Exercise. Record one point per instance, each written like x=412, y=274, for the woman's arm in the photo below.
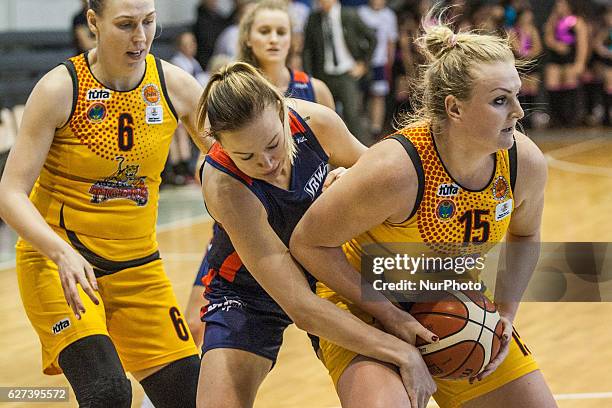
x=268, y=260
x=522, y=240
x=537, y=49
x=25, y=161
x=582, y=46
x=380, y=187
x=185, y=92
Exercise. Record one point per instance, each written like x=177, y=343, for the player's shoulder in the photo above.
x=528, y=152
x=532, y=167
x=57, y=82
x=225, y=195
x=52, y=96
x=317, y=116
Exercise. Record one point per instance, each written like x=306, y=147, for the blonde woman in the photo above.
x=464, y=136
x=90, y=275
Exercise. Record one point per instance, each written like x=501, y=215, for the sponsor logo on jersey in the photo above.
x=500, y=188
x=300, y=139
x=226, y=305
x=60, y=326
x=154, y=115
x=98, y=94
x=502, y=210
x=300, y=85
x=123, y=184
x=448, y=190
x=96, y=112
x=445, y=210
x=316, y=180
x=150, y=94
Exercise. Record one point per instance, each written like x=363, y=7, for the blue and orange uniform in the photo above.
x=98, y=190
x=443, y=220
x=240, y=314
x=300, y=87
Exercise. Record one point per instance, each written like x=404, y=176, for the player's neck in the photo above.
x=278, y=74
x=113, y=75
x=467, y=164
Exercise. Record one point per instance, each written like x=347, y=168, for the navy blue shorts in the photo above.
x=255, y=325
x=201, y=272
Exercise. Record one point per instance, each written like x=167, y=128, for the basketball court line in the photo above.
x=182, y=223
x=553, y=158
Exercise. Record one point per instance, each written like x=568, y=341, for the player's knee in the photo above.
x=174, y=385
x=111, y=392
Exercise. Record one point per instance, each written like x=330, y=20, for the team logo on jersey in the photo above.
x=98, y=94
x=96, y=112
x=60, y=326
x=125, y=184
x=316, y=180
x=445, y=210
x=448, y=190
x=500, y=188
x=150, y=94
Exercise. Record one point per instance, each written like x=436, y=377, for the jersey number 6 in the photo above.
x=126, y=132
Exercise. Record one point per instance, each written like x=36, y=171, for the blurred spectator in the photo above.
x=602, y=48
x=185, y=57
x=8, y=132
x=183, y=153
x=567, y=43
x=383, y=21
x=338, y=47
x=209, y=24
x=83, y=38
x=407, y=60
x=487, y=17
x=298, y=13
x=527, y=45
x=227, y=43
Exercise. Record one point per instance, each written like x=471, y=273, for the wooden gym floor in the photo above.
x=571, y=341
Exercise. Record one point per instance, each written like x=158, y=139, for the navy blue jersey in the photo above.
x=300, y=86
x=227, y=276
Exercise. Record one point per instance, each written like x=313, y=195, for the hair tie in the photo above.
x=453, y=40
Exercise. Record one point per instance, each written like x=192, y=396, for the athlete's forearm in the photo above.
x=17, y=210
x=522, y=254
x=329, y=265
x=322, y=318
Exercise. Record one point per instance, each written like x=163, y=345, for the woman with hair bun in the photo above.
x=464, y=135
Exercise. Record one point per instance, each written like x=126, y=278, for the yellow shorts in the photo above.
x=450, y=394
x=137, y=309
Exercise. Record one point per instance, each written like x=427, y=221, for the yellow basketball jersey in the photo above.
x=448, y=218
x=99, y=185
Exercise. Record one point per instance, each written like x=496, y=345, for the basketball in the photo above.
x=469, y=328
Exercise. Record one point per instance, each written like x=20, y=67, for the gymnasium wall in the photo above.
x=31, y=15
